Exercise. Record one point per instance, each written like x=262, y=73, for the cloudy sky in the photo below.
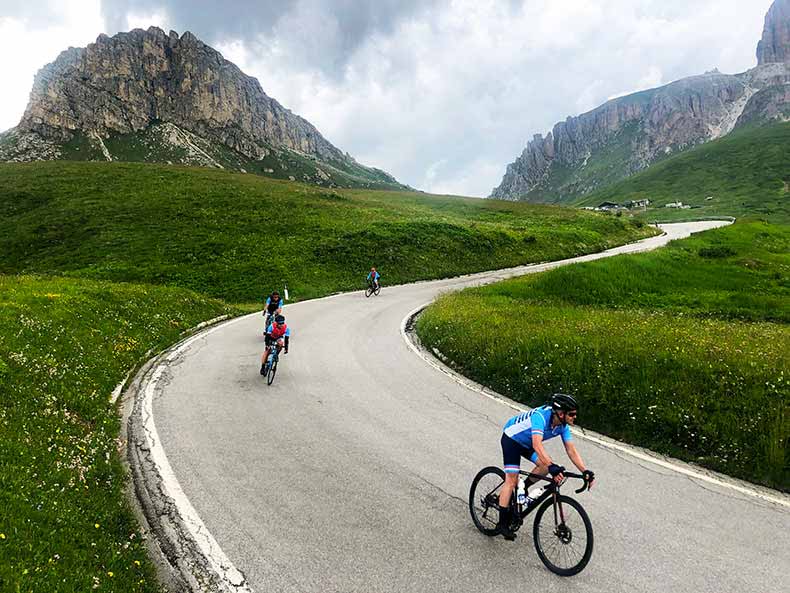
x=440, y=93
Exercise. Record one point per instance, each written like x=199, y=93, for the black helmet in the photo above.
x=561, y=402
x=280, y=319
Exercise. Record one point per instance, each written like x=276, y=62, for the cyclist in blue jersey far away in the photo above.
x=278, y=334
x=373, y=278
x=523, y=436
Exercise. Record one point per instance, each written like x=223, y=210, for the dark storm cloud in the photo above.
x=324, y=32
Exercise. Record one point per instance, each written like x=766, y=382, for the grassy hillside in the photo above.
x=685, y=350
x=234, y=236
x=166, y=143
x=746, y=173
x=64, y=345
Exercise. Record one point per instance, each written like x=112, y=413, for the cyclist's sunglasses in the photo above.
x=571, y=414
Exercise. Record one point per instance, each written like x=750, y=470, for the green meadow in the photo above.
x=685, y=350
x=65, y=344
x=236, y=236
x=745, y=174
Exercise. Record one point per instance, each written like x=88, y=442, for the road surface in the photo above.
x=352, y=471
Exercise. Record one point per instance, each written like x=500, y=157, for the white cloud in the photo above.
x=26, y=47
x=143, y=20
x=446, y=93
x=468, y=85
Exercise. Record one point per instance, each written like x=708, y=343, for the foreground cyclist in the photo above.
x=523, y=436
x=278, y=334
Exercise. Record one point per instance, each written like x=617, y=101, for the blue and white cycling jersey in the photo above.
x=370, y=276
x=523, y=426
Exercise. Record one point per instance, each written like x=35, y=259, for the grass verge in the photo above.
x=685, y=350
x=234, y=236
x=64, y=345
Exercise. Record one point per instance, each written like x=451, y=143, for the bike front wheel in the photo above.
x=563, y=536
x=484, y=499
x=272, y=372
x=368, y=291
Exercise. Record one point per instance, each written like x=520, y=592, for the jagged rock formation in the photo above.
x=628, y=134
x=177, y=96
x=775, y=44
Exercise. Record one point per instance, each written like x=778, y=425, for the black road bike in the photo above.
x=373, y=288
x=562, y=531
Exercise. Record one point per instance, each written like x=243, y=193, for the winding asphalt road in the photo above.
x=351, y=472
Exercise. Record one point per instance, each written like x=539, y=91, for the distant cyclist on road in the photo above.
x=274, y=306
x=523, y=436
x=278, y=334
x=373, y=278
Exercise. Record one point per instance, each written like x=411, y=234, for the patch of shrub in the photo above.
x=716, y=252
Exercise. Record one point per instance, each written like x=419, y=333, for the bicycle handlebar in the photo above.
x=567, y=475
x=585, y=484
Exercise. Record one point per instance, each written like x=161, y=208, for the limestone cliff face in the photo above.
x=126, y=83
x=775, y=44
x=151, y=97
x=628, y=134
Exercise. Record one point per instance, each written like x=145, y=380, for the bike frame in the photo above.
x=274, y=352
x=553, y=489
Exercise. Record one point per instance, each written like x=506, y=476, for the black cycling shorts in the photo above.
x=513, y=451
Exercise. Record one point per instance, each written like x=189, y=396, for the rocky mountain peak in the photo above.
x=629, y=134
x=775, y=44
x=141, y=88
x=124, y=83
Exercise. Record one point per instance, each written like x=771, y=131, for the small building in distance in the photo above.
x=608, y=206
x=633, y=204
x=679, y=205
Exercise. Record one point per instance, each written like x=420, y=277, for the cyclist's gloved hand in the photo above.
x=555, y=470
x=589, y=475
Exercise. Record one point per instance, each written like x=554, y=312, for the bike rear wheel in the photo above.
x=378, y=290
x=484, y=499
x=272, y=372
x=563, y=538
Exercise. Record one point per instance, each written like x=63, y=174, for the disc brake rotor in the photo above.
x=564, y=534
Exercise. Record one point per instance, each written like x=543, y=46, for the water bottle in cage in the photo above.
x=521, y=493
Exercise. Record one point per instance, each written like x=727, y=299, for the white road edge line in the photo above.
x=116, y=393
x=232, y=579
x=586, y=435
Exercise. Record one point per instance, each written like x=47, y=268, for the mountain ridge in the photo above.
x=133, y=82
x=627, y=134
